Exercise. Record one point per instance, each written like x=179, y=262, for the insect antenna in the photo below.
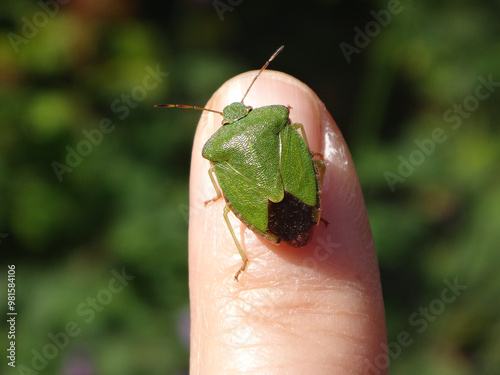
x=261, y=70
x=186, y=106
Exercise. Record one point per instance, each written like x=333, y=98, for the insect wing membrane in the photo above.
x=297, y=169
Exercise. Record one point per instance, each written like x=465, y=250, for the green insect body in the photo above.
x=265, y=171
x=258, y=160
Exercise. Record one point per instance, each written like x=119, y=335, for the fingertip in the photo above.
x=335, y=277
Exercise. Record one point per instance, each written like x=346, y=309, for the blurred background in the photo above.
x=94, y=181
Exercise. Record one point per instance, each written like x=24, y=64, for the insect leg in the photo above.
x=216, y=187
x=318, y=158
x=320, y=164
x=298, y=126
x=240, y=250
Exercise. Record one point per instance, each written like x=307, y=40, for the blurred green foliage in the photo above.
x=123, y=203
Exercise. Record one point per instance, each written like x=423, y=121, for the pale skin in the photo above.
x=317, y=309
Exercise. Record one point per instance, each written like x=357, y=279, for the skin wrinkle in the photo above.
x=304, y=285
x=320, y=335
x=307, y=304
x=280, y=314
x=360, y=217
x=262, y=351
x=265, y=291
x=304, y=363
x=273, y=315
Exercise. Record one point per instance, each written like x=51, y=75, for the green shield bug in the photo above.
x=268, y=176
